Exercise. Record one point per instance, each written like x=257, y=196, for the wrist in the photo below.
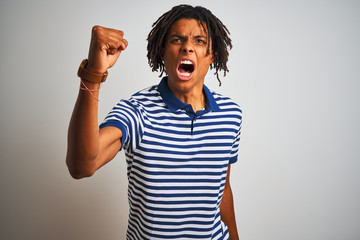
x=89, y=76
x=91, y=88
x=90, y=85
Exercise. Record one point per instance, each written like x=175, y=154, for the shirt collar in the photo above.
x=175, y=103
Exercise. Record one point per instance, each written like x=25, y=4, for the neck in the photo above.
x=197, y=102
x=195, y=97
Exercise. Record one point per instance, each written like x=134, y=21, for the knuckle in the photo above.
x=97, y=31
x=98, y=34
x=95, y=28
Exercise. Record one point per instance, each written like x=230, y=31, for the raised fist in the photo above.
x=105, y=48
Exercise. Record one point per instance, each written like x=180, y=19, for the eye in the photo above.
x=177, y=40
x=200, y=41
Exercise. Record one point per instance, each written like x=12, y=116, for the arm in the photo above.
x=88, y=147
x=227, y=209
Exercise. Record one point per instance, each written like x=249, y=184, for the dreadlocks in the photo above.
x=215, y=29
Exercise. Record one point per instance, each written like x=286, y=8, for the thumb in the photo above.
x=124, y=45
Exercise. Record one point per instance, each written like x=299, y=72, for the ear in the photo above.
x=211, y=52
x=212, y=57
x=162, y=53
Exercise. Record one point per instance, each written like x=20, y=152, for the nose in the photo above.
x=187, y=47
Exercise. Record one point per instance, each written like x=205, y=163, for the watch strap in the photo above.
x=86, y=75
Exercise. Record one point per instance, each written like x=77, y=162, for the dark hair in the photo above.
x=215, y=29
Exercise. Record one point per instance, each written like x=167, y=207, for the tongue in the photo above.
x=182, y=70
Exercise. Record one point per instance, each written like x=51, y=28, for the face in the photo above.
x=185, y=57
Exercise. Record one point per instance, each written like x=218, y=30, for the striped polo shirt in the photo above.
x=177, y=162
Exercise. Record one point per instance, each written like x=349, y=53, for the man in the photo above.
x=179, y=137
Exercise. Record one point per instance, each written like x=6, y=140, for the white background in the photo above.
x=294, y=70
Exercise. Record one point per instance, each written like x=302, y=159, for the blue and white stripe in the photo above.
x=177, y=162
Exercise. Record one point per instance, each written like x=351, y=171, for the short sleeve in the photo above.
x=127, y=118
x=235, y=146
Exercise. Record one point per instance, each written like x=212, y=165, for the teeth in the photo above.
x=186, y=62
x=185, y=74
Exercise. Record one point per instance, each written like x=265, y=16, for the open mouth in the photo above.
x=185, y=69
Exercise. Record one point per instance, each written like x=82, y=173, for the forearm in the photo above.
x=227, y=213
x=227, y=210
x=83, y=134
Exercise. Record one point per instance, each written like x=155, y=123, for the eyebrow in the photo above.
x=176, y=36
x=201, y=36
x=182, y=37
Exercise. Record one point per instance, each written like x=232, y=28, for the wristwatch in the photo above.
x=89, y=76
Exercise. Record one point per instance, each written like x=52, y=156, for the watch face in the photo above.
x=84, y=63
x=104, y=77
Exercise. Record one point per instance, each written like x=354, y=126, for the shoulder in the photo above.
x=149, y=92
x=146, y=98
x=226, y=103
